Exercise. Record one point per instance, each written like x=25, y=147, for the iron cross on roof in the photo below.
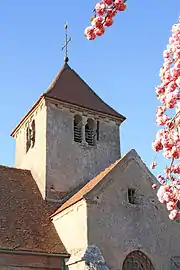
x=67, y=40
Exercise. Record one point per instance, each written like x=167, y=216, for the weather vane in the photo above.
x=67, y=40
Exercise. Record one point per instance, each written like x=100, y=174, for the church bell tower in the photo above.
x=68, y=137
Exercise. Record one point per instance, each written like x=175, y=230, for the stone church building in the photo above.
x=72, y=201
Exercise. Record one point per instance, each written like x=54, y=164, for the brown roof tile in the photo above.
x=69, y=87
x=24, y=215
x=85, y=189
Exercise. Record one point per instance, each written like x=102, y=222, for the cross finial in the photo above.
x=67, y=40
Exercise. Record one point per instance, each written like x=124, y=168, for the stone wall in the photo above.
x=71, y=226
x=118, y=227
x=71, y=164
x=35, y=158
x=58, y=164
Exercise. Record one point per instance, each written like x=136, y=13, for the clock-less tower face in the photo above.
x=75, y=136
x=137, y=260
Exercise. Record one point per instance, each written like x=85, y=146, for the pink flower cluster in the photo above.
x=105, y=10
x=168, y=138
x=169, y=195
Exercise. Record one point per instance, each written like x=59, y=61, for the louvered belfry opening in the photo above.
x=78, y=128
x=90, y=133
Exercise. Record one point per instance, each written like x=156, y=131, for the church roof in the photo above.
x=24, y=215
x=99, y=179
x=69, y=87
x=85, y=189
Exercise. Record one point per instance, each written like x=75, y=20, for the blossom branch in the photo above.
x=168, y=138
x=105, y=10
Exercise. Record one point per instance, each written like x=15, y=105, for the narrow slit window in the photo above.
x=28, y=139
x=78, y=128
x=33, y=133
x=131, y=195
x=97, y=131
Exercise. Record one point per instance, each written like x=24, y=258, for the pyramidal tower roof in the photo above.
x=68, y=87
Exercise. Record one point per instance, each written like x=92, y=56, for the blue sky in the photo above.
x=122, y=66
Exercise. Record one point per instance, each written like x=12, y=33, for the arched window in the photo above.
x=30, y=136
x=137, y=260
x=78, y=128
x=90, y=133
x=33, y=133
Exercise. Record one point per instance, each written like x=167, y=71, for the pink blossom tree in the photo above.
x=104, y=13
x=168, y=117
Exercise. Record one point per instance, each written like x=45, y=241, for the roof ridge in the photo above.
x=73, y=89
x=100, y=175
x=66, y=66
x=94, y=92
x=82, y=192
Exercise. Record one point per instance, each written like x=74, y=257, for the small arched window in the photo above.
x=78, y=128
x=90, y=132
x=33, y=133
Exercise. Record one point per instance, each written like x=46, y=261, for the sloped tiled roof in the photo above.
x=85, y=189
x=24, y=216
x=69, y=87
